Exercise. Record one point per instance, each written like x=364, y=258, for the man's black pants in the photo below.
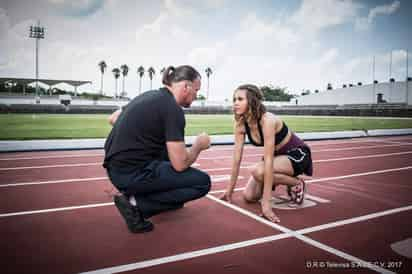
x=158, y=187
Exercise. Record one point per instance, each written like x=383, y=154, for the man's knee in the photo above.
x=203, y=182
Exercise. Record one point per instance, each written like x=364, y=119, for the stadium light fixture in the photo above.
x=37, y=33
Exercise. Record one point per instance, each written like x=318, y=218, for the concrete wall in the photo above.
x=390, y=110
x=395, y=92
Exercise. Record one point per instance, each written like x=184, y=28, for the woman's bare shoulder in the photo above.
x=239, y=127
x=270, y=118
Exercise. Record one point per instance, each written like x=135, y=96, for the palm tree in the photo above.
x=140, y=72
x=125, y=71
x=208, y=73
x=116, y=74
x=151, y=72
x=162, y=71
x=103, y=67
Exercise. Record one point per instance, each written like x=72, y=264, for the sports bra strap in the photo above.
x=279, y=136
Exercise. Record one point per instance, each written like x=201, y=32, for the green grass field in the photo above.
x=60, y=126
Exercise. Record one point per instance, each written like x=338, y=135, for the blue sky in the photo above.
x=294, y=44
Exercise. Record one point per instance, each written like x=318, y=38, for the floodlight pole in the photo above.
x=373, y=80
x=407, y=77
x=37, y=32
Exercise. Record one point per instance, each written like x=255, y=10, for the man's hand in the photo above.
x=202, y=141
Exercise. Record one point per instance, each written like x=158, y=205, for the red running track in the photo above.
x=57, y=216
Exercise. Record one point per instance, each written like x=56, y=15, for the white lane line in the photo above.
x=320, y=150
x=223, y=190
x=303, y=238
x=228, y=157
x=56, y=181
x=309, y=181
x=94, y=155
x=339, y=253
x=358, y=174
x=354, y=220
x=213, y=149
x=257, y=241
x=53, y=210
x=52, y=157
x=218, y=169
x=316, y=199
x=359, y=147
x=50, y=166
x=363, y=157
x=211, y=158
x=187, y=255
x=313, y=151
x=222, y=178
x=393, y=144
x=222, y=168
x=287, y=233
x=237, y=189
x=331, y=142
x=215, y=178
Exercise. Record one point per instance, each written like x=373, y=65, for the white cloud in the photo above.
x=315, y=15
x=261, y=48
x=152, y=28
x=14, y=46
x=177, y=10
x=385, y=10
x=360, y=69
x=329, y=57
x=257, y=37
x=77, y=8
x=190, y=7
x=208, y=56
x=4, y=24
x=364, y=23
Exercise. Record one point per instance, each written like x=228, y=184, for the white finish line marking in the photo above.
x=302, y=237
x=287, y=233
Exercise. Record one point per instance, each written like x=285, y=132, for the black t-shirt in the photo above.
x=144, y=126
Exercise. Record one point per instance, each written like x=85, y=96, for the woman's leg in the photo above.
x=282, y=175
x=253, y=190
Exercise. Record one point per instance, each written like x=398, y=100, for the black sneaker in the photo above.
x=134, y=219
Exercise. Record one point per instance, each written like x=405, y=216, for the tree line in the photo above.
x=141, y=72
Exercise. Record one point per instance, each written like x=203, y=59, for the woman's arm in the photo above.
x=237, y=158
x=269, y=125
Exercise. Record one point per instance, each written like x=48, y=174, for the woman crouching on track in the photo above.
x=285, y=155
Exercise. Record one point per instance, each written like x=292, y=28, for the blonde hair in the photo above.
x=256, y=108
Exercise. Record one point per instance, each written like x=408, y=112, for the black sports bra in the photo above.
x=283, y=132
